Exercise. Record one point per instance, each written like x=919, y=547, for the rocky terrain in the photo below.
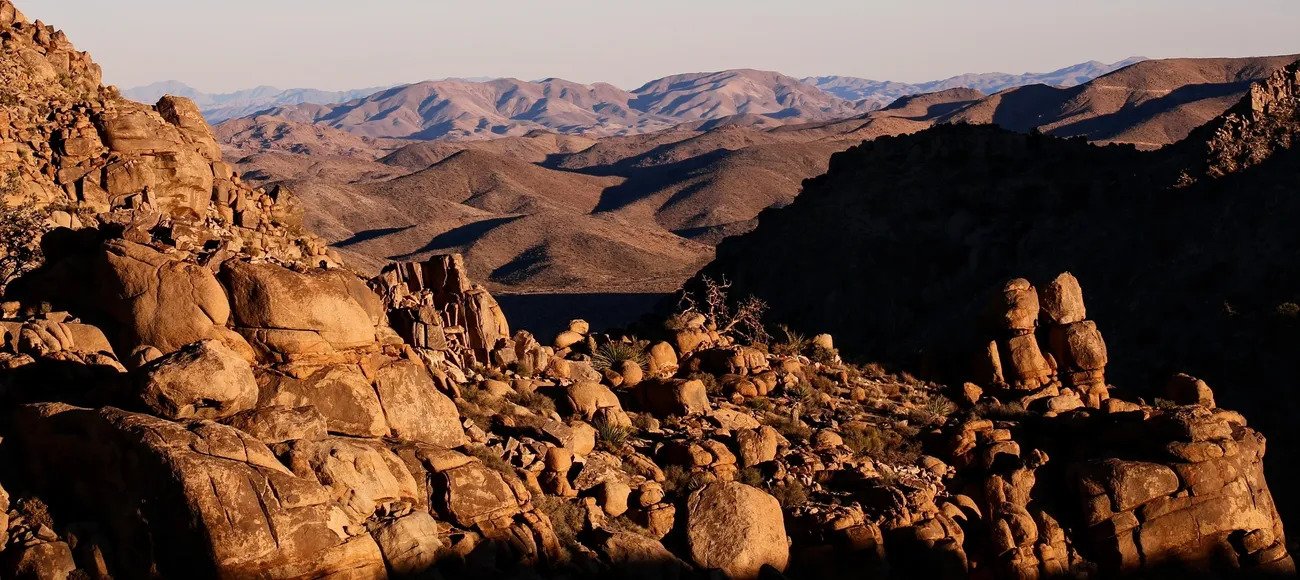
x=665, y=198
x=1189, y=247
x=192, y=386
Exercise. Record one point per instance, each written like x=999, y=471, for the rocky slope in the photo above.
x=182, y=397
x=1150, y=104
x=1190, y=245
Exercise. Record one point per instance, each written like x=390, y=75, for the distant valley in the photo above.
x=554, y=211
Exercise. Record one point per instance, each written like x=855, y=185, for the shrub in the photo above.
x=743, y=318
x=35, y=512
x=997, y=410
x=491, y=459
x=523, y=368
x=760, y=403
x=610, y=435
x=873, y=370
x=566, y=517
x=790, y=495
x=611, y=354
x=791, y=342
x=711, y=384
x=680, y=481
x=1288, y=310
x=790, y=428
x=863, y=439
x=823, y=355
x=21, y=228
x=822, y=383
x=936, y=408
x=751, y=476
x=538, y=402
x=645, y=422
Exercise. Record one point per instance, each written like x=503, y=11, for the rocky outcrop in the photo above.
x=180, y=497
x=928, y=226
x=436, y=306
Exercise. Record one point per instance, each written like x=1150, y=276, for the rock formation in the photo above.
x=1186, y=250
x=189, y=387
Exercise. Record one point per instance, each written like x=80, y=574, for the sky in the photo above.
x=227, y=45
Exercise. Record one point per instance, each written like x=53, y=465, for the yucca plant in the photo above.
x=792, y=343
x=611, y=435
x=611, y=354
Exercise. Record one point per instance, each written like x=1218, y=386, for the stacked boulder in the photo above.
x=1075, y=359
x=436, y=307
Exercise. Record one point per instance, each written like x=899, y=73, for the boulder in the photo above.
x=341, y=393
x=588, y=398
x=204, y=380
x=1019, y=305
x=39, y=561
x=1185, y=389
x=673, y=397
x=1062, y=301
x=182, y=497
x=409, y=544
x=662, y=360
x=473, y=493
x=364, y=477
x=279, y=424
x=637, y=557
x=285, y=313
x=737, y=529
x=148, y=297
x=414, y=408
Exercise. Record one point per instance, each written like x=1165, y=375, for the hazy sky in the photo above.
x=336, y=44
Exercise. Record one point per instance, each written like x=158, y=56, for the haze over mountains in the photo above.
x=218, y=107
x=663, y=102
x=881, y=93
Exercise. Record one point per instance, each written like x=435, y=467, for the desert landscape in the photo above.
x=734, y=324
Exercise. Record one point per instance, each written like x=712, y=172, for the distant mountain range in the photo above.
x=485, y=108
x=218, y=107
x=867, y=92
x=549, y=212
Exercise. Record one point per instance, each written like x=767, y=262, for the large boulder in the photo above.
x=737, y=529
x=341, y=393
x=284, y=313
x=139, y=295
x=673, y=397
x=415, y=409
x=363, y=476
x=205, y=380
x=410, y=544
x=175, y=498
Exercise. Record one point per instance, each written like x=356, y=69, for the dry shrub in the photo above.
x=744, y=319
